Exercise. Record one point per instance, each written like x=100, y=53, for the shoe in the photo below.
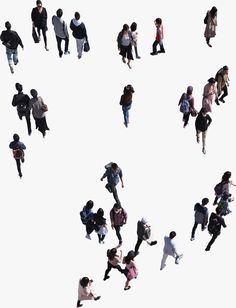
x=126, y=124
x=217, y=103
x=127, y=288
x=60, y=54
x=88, y=236
x=119, y=245
x=192, y=239
x=138, y=57
x=20, y=175
x=79, y=57
x=22, y=160
x=29, y=133
x=222, y=100
x=105, y=278
x=66, y=52
x=16, y=62
x=123, y=59
x=162, y=267
x=46, y=48
x=185, y=125
x=177, y=259
x=203, y=150
x=207, y=249
x=209, y=44
x=11, y=69
x=198, y=140
x=97, y=298
x=80, y=305
x=153, y=243
x=129, y=65
x=154, y=53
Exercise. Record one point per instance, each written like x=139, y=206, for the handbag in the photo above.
x=86, y=46
x=34, y=35
x=44, y=108
x=193, y=112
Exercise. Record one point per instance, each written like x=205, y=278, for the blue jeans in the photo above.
x=12, y=56
x=126, y=113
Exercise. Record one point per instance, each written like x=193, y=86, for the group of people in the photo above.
x=215, y=90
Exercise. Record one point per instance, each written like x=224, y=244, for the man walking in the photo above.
x=222, y=80
x=201, y=216
x=118, y=218
x=18, y=152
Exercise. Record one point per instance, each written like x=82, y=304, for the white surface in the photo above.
x=43, y=248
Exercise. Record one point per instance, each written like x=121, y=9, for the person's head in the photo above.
x=117, y=207
x=213, y=11
x=89, y=204
x=226, y=176
x=100, y=212
x=8, y=25
x=16, y=137
x=128, y=89
x=34, y=93
x=125, y=28
x=225, y=69
x=203, y=111
x=77, y=15
x=205, y=201
x=144, y=221
x=84, y=282
x=211, y=80
x=189, y=90
x=59, y=13
x=158, y=21
x=130, y=257
x=133, y=26
x=111, y=253
x=39, y=3
x=114, y=166
x=19, y=87
x=172, y=234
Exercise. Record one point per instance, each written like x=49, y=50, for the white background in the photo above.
x=43, y=247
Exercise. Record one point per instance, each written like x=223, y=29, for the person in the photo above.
x=202, y=123
x=186, y=104
x=159, y=38
x=200, y=217
x=100, y=225
x=18, y=152
x=223, y=205
x=87, y=218
x=113, y=173
x=39, y=18
x=114, y=258
x=118, y=217
x=38, y=110
x=223, y=186
x=85, y=291
x=170, y=250
x=79, y=32
x=144, y=234
x=211, y=23
x=209, y=93
x=126, y=102
x=134, y=34
x=61, y=32
x=21, y=102
x=125, y=41
x=222, y=79
x=131, y=270
x=214, y=226
x=11, y=40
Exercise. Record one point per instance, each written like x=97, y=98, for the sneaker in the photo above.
x=66, y=52
x=203, y=150
x=46, y=48
x=207, y=249
x=209, y=44
x=97, y=298
x=162, y=51
x=106, y=277
x=162, y=267
x=16, y=62
x=22, y=160
x=79, y=57
x=127, y=288
x=123, y=59
x=138, y=57
x=153, y=243
x=222, y=100
x=80, y=305
x=88, y=236
x=177, y=259
x=11, y=69
x=154, y=53
x=60, y=54
x=192, y=239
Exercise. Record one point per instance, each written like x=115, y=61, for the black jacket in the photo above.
x=215, y=224
x=39, y=19
x=143, y=231
x=21, y=101
x=79, y=31
x=202, y=122
x=11, y=39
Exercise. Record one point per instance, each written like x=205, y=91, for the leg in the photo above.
x=115, y=194
x=80, y=45
x=204, y=142
x=225, y=93
x=154, y=48
x=18, y=167
x=89, y=227
x=197, y=135
x=28, y=124
x=216, y=199
x=109, y=267
x=79, y=304
x=193, y=230
x=139, y=242
x=162, y=49
x=136, y=52
x=186, y=118
x=59, y=45
x=208, y=41
x=119, y=269
x=211, y=242
x=163, y=261
x=9, y=53
x=117, y=228
x=39, y=33
x=15, y=56
x=126, y=115
x=66, y=44
x=45, y=38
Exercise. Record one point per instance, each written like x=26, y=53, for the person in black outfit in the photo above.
x=214, y=227
x=126, y=102
x=11, y=40
x=200, y=217
x=39, y=18
x=79, y=32
x=100, y=225
x=21, y=102
x=202, y=123
x=18, y=152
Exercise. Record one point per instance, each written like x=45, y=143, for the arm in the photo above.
x=112, y=218
x=206, y=218
x=14, y=101
x=19, y=41
x=125, y=216
x=121, y=178
x=104, y=175
x=209, y=120
x=22, y=146
x=181, y=98
x=119, y=37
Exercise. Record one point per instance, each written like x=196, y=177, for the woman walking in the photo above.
x=85, y=291
x=125, y=42
x=18, y=152
x=131, y=270
x=186, y=104
x=126, y=102
x=114, y=258
x=100, y=225
x=209, y=94
x=202, y=123
x=211, y=23
x=224, y=186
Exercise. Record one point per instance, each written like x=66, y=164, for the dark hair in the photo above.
x=59, y=13
x=203, y=110
x=172, y=234
x=8, y=25
x=133, y=26
x=211, y=80
x=111, y=253
x=213, y=11
x=38, y=2
x=125, y=27
x=114, y=166
x=205, y=201
x=19, y=87
x=16, y=137
x=128, y=89
x=225, y=68
x=226, y=176
x=100, y=212
x=89, y=204
x=84, y=282
x=77, y=15
x=34, y=93
x=158, y=21
x=117, y=206
x=130, y=257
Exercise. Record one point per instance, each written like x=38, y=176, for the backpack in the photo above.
x=184, y=106
x=84, y=217
x=205, y=19
x=218, y=188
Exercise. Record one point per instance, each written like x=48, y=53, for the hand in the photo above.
x=122, y=185
x=101, y=179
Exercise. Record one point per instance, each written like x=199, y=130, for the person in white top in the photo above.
x=170, y=250
x=134, y=34
x=85, y=291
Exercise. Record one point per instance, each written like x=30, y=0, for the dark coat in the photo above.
x=39, y=19
x=21, y=101
x=11, y=39
x=202, y=122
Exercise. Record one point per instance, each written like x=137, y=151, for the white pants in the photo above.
x=80, y=46
x=164, y=258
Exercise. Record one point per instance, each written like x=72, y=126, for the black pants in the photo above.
x=59, y=40
x=225, y=92
x=28, y=122
x=18, y=165
x=139, y=242
x=186, y=118
x=154, y=46
x=109, y=267
x=44, y=34
x=195, y=227
x=117, y=228
x=101, y=237
x=112, y=188
x=41, y=124
x=214, y=236
x=89, y=227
